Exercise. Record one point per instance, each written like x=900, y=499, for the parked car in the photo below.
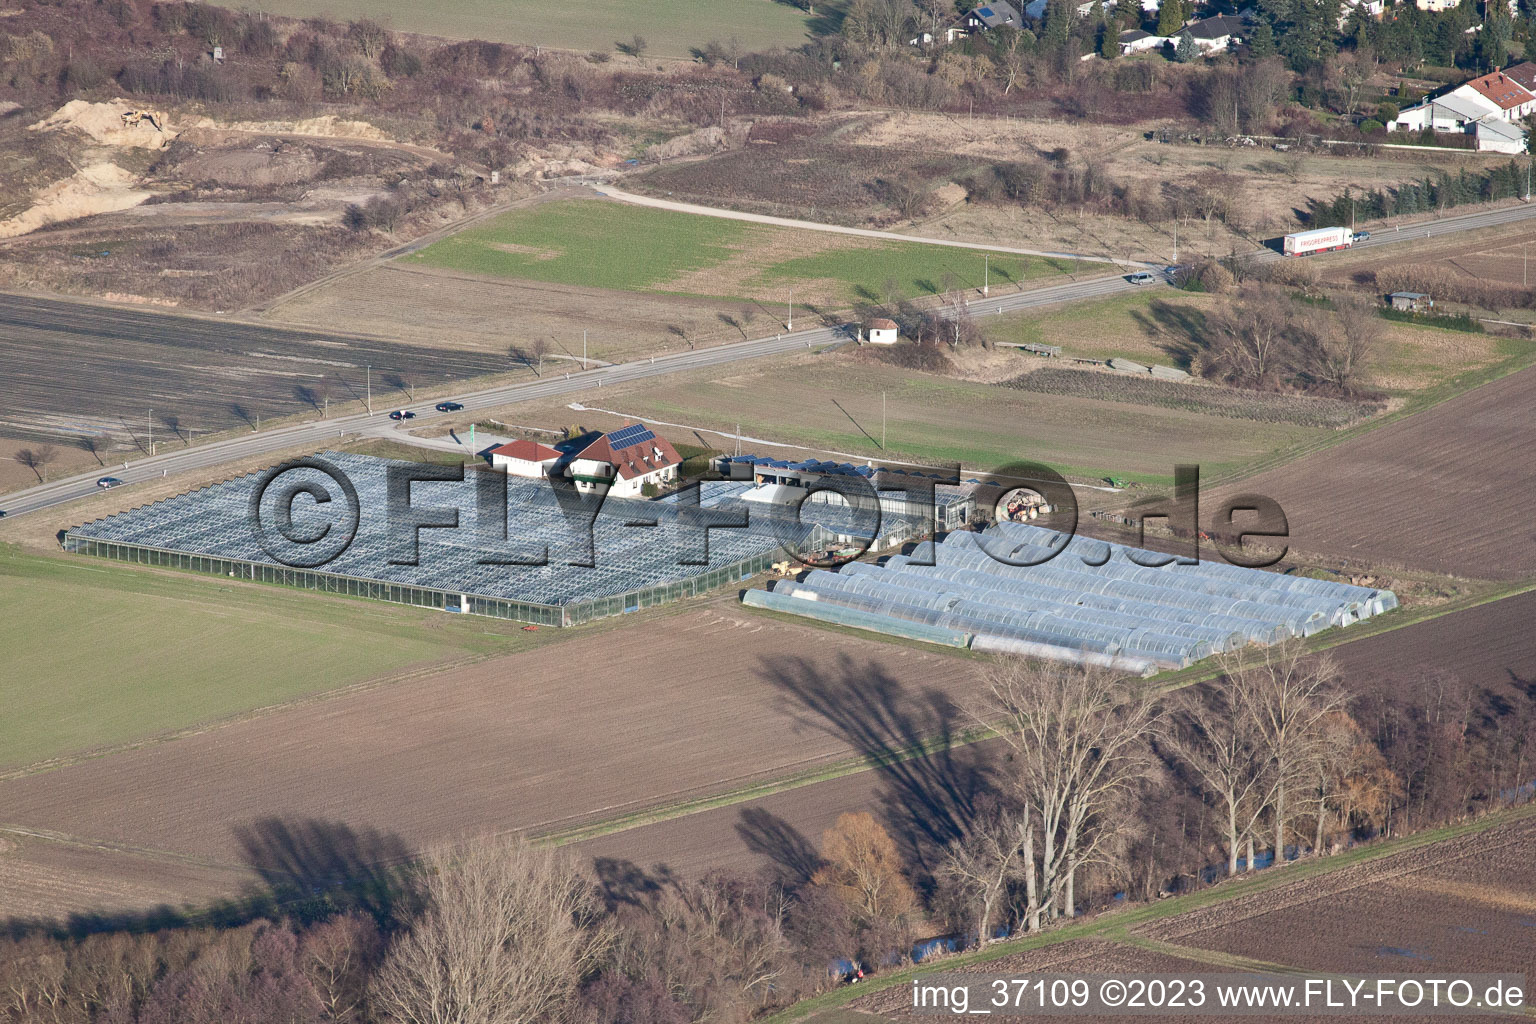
x=449, y=406
x=106, y=483
x=402, y=414
x=1142, y=277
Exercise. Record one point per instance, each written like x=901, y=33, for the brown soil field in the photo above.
x=536, y=742
x=1461, y=905
x=48, y=878
x=1486, y=645
x=454, y=310
x=1496, y=255
x=1489, y=645
x=1448, y=489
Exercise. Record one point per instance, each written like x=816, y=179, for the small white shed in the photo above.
x=882, y=331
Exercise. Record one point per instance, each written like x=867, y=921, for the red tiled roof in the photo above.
x=882, y=324
x=1502, y=89
x=633, y=460
x=528, y=451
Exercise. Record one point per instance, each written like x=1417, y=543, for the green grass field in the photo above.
x=593, y=244
x=671, y=27
x=918, y=270
x=833, y=402
x=97, y=655
x=635, y=248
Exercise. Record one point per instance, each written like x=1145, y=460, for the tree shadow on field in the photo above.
x=625, y=882
x=795, y=858
x=309, y=870
x=1180, y=331
x=924, y=801
x=329, y=863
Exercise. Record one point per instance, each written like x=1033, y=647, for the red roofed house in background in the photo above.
x=623, y=461
x=525, y=458
x=1514, y=100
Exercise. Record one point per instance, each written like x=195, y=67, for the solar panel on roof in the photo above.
x=635, y=433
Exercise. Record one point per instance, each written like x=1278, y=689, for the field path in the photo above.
x=811, y=225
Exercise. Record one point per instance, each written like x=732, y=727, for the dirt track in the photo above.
x=1450, y=489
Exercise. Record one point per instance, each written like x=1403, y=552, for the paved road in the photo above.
x=1430, y=229
x=325, y=432
x=553, y=384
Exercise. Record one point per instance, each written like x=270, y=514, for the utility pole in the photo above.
x=986, y=273
x=1175, y=241
x=370, y=389
x=1525, y=269
x=882, y=421
x=583, y=350
x=789, y=322
x=738, y=438
x=151, y=431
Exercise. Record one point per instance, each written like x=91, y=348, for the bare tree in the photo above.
x=980, y=866
x=37, y=459
x=1340, y=350
x=1008, y=57
x=508, y=932
x=337, y=957
x=1218, y=738
x=1290, y=695
x=538, y=349
x=1077, y=734
x=1250, y=339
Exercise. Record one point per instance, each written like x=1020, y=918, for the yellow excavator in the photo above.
x=133, y=118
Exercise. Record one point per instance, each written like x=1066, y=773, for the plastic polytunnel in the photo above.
x=1081, y=600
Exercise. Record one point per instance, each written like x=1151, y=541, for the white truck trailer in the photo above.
x=1305, y=243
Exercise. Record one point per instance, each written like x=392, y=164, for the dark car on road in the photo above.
x=449, y=406
x=402, y=414
x=106, y=483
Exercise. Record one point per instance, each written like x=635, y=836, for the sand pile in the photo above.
x=103, y=122
x=97, y=188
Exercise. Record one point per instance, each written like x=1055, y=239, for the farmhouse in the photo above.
x=1512, y=100
x=1487, y=107
x=883, y=331
x=525, y=458
x=1496, y=136
x=1524, y=75
x=1467, y=114
x=624, y=461
x=1137, y=40
x=983, y=17
x=1213, y=35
